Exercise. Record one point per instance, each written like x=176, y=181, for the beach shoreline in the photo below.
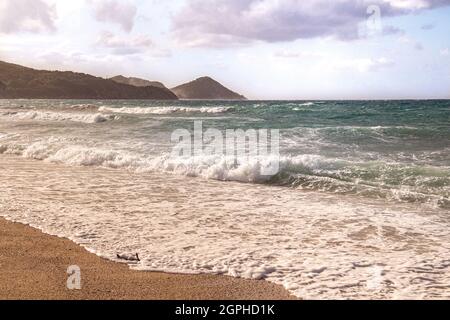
x=34, y=266
x=214, y=231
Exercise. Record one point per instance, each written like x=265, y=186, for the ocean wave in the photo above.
x=391, y=181
x=166, y=110
x=83, y=107
x=58, y=116
x=307, y=104
x=208, y=166
x=301, y=106
x=362, y=136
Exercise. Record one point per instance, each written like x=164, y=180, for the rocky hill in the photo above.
x=206, y=88
x=26, y=83
x=137, y=82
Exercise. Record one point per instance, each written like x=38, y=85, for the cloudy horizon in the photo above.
x=263, y=49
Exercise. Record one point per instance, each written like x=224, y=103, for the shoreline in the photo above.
x=34, y=266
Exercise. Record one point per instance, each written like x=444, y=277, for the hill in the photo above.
x=206, y=88
x=137, y=82
x=18, y=82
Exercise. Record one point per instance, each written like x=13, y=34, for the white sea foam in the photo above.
x=82, y=156
x=308, y=172
x=58, y=116
x=315, y=245
x=83, y=107
x=206, y=166
x=166, y=110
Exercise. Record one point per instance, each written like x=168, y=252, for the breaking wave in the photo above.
x=58, y=116
x=83, y=107
x=306, y=172
x=166, y=110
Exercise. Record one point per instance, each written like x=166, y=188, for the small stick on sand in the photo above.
x=128, y=257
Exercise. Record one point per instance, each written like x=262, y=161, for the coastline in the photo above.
x=34, y=266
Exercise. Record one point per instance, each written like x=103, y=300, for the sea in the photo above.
x=358, y=208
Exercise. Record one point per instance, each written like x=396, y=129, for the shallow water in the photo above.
x=316, y=245
x=358, y=210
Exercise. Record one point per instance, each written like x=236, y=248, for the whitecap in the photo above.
x=166, y=110
x=59, y=116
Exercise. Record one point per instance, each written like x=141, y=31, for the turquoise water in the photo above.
x=394, y=150
x=358, y=209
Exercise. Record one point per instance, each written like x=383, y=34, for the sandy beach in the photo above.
x=34, y=265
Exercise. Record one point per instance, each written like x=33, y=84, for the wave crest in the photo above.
x=166, y=110
x=307, y=172
x=59, y=116
x=83, y=107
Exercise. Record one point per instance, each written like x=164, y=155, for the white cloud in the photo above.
x=410, y=4
x=124, y=45
x=362, y=64
x=27, y=16
x=445, y=52
x=61, y=59
x=212, y=40
x=208, y=23
x=293, y=54
x=412, y=42
x=121, y=12
x=428, y=26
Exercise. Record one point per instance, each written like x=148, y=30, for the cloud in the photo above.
x=213, y=40
x=61, y=59
x=391, y=30
x=363, y=64
x=428, y=26
x=124, y=45
x=327, y=61
x=204, y=23
x=445, y=52
x=26, y=16
x=292, y=54
x=411, y=4
x=409, y=41
x=418, y=46
x=121, y=12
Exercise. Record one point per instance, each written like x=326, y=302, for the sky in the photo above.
x=264, y=49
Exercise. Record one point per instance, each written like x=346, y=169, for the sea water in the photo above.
x=358, y=209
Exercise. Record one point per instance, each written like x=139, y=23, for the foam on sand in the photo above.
x=315, y=245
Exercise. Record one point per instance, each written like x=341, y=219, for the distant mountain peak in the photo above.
x=22, y=82
x=206, y=78
x=206, y=88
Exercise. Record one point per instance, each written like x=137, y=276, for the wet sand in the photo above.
x=33, y=265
